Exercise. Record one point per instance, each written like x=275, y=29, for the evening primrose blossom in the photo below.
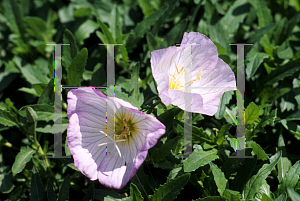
x=110, y=149
x=210, y=75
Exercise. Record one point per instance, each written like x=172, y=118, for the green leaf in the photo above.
x=108, y=37
x=84, y=30
x=123, y=49
x=221, y=135
x=135, y=81
x=232, y=19
x=76, y=69
x=292, y=23
x=171, y=189
x=38, y=29
x=44, y=112
x=83, y=12
x=290, y=179
x=251, y=113
x=226, y=97
x=37, y=188
x=219, y=178
x=282, y=72
x=258, y=151
x=164, y=150
x=293, y=195
x=89, y=195
x=64, y=189
x=284, y=163
x=253, y=185
x=282, y=197
x=199, y=158
x=50, y=192
x=135, y=194
x=260, y=33
x=51, y=66
x=7, y=118
x=255, y=59
x=175, y=34
x=6, y=185
x=221, y=50
x=69, y=51
x=23, y=157
x=47, y=97
x=146, y=7
x=232, y=195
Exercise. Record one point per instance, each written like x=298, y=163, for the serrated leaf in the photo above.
x=76, y=69
x=171, y=189
x=37, y=188
x=253, y=185
x=64, y=189
x=135, y=194
x=7, y=119
x=23, y=157
x=219, y=178
x=251, y=113
x=199, y=158
x=50, y=192
x=164, y=150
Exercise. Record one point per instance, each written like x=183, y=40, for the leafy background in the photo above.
x=272, y=97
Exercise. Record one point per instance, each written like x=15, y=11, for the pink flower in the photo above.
x=210, y=75
x=107, y=153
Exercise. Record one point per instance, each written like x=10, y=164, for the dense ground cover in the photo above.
x=271, y=99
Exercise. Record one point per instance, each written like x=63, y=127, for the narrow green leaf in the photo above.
x=199, y=158
x=151, y=42
x=292, y=23
x=293, y=195
x=76, y=69
x=51, y=66
x=7, y=118
x=64, y=189
x=253, y=185
x=290, y=179
x=164, y=150
x=123, y=49
x=50, y=192
x=109, y=39
x=231, y=21
x=175, y=34
x=47, y=97
x=69, y=51
x=146, y=7
x=219, y=178
x=284, y=163
x=226, y=97
x=135, y=86
x=232, y=195
x=258, y=151
x=255, y=59
x=282, y=197
x=83, y=12
x=221, y=50
x=44, y=112
x=85, y=30
x=6, y=185
x=23, y=157
x=37, y=188
x=221, y=135
x=135, y=194
x=171, y=189
x=260, y=33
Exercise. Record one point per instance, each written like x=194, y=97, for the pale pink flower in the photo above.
x=210, y=75
x=107, y=153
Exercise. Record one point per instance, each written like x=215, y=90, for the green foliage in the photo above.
x=271, y=97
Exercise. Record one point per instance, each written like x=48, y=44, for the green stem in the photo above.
x=153, y=106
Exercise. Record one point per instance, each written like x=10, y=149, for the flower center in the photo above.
x=124, y=127
x=176, y=81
